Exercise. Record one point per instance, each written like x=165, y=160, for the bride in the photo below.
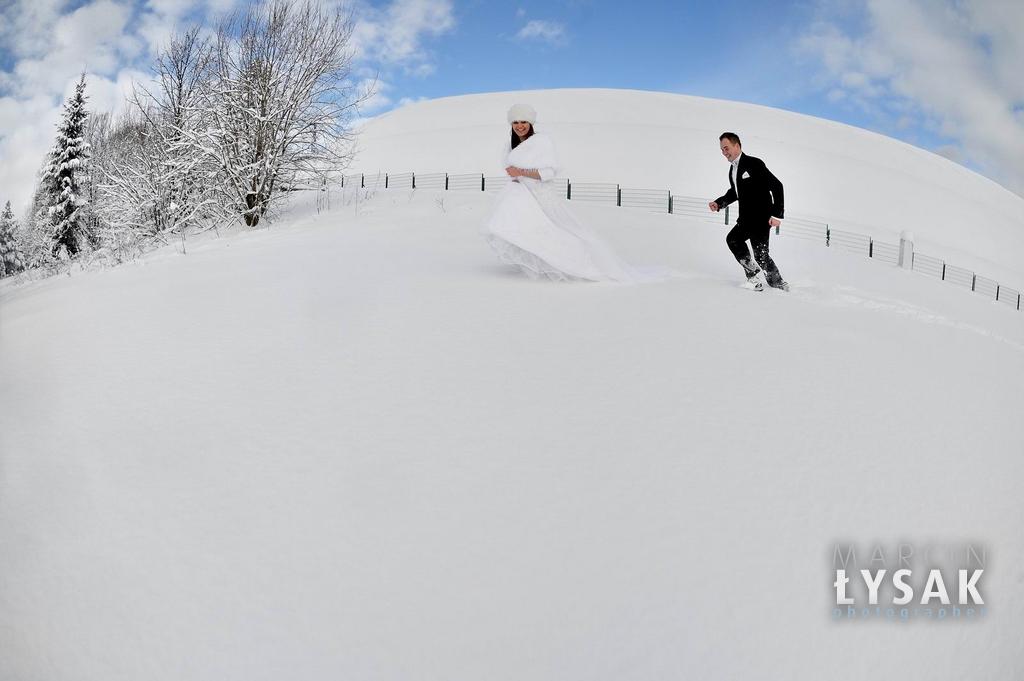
x=530, y=227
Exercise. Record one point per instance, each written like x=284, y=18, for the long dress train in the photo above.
x=530, y=227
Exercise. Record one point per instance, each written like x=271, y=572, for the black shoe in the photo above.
x=780, y=285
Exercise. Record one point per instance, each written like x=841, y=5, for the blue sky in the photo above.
x=940, y=74
x=779, y=54
x=674, y=46
x=727, y=49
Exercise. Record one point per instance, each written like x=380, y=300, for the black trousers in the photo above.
x=758, y=237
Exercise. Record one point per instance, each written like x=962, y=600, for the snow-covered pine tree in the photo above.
x=66, y=164
x=10, y=256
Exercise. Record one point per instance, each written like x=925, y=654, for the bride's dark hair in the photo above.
x=515, y=138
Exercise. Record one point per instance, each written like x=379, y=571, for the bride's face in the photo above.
x=521, y=128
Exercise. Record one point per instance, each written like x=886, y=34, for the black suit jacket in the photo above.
x=760, y=192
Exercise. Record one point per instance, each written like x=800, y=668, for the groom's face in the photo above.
x=729, y=150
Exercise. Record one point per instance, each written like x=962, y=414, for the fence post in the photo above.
x=828, y=236
x=670, y=203
x=618, y=195
x=385, y=180
x=446, y=181
x=568, y=190
x=414, y=180
x=906, y=259
x=943, y=271
x=483, y=183
x=727, y=215
x=997, y=291
x=871, y=247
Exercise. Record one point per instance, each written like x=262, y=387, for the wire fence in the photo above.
x=663, y=201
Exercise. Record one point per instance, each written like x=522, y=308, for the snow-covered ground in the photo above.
x=854, y=180
x=355, y=446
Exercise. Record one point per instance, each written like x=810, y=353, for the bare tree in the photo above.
x=181, y=72
x=145, y=196
x=280, y=101
x=154, y=183
x=231, y=121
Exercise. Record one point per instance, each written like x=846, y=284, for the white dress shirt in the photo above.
x=734, y=172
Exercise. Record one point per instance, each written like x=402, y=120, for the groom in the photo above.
x=761, y=208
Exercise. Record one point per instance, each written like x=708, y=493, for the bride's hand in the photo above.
x=513, y=171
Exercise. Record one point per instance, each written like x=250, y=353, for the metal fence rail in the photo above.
x=663, y=201
x=927, y=265
x=689, y=207
x=848, y=241
x=594, y=192
x=1008, y=296
x=651, y=200
x=494, y=184
x=432, y=181
x=802, y=229
x=887, y=253
x=458, y=182
x=959, y=276
x=400, y=181
x=988, y=287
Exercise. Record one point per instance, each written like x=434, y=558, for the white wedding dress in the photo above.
x=531, y=228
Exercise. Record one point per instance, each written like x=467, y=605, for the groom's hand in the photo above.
x=713, y=206
x=774, y=222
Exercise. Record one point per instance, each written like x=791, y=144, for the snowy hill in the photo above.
x=853, y=179
x=355, y=446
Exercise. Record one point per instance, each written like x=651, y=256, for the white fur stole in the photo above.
x=536, y=152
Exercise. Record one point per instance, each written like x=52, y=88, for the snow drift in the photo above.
x=353, y=446
x=853, y=179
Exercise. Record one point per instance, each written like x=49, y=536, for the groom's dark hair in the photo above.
x=515, y=138
x=731, y=136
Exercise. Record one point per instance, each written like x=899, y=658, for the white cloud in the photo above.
x=26, y=29
x=26, y=133
x=422, y=70
x=92, y=37
x=951, y=152
x=45, y=45
x=49, y=45
x=162, y=18
x=28, y=126
x=110, y=94
x=547, y=31
x=394, y=34
x=952, y=65
x=378, y=101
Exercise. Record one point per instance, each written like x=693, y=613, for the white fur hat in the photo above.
x=522, y=112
